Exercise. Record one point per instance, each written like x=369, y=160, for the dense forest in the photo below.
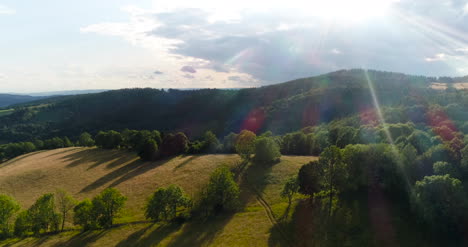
x=382, y=139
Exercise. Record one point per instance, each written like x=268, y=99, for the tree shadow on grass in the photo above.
x=186, y=161
x=298, y=228
x=124, y=173
x=201, y=233
x=82, y=239
x=66, y=150
x=149, y=236
x=98, y=157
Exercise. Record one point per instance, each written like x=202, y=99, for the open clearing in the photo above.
x=85, y=172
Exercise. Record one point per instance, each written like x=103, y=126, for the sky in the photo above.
x=56, y=45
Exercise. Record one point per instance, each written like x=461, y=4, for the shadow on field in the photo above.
x=96, y=157
x=150, y=236
x=185, y=162
x=125, y=164
x=82, y=239
x=298, y=228
x=124, y=173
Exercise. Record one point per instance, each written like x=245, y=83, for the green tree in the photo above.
x=290, y=189
x=8, y=208
x=149, y=150
x=245, y=144
x=222, y=192
x=266, y=150
x=174, y=144
x=441, y=202
x=65, y=203
x=229, y=143
x=210, y=142
x=164, y=203
x=310, y=178
x=85, y=140
x=23, y=224
x=335, y=172
x=42, y=214
x=107, y=205
x=84, y=215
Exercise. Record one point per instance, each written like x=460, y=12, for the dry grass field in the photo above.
x=85, y=172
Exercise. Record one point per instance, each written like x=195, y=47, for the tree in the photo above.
x=149, y=150
x=8, y=208
x=164, y=202
x=310, y=178
x=210, y=142
x=84, y=215
x=266, y=150
x=174, y=144
x=290, y=189
x=222, y=192
x=109, y=140
x=85, y=140
x=441, y=202
x=42, y=214
x=65, y=203
x=107, y=205
x=229, y=143
x=245, y=144
x=67, y=143
x=335, y=172
x=23, y=224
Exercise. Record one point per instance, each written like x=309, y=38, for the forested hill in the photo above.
x=11, y=99
x=280, y=108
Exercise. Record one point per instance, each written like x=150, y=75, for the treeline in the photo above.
x=52, y=211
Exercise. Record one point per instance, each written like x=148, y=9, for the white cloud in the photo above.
x=335, y=51
x=2, y=77
x=436, y=57
x=4, y=10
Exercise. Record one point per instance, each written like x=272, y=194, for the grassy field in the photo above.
x=85, y=172
x=6, y=112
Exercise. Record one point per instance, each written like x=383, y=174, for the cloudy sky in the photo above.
x=53, y=45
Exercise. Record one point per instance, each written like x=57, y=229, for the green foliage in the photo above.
x=85, y=140
x=107, y=205
x=8, y=208
x=245, y=144
x=42, y=215
x=23, y=224
x=174, y=144
x=64, y=203
x=221, y=194
x=290, y=188
x=149, y=150
x=84, y=215
x=441, y=202
x=165, y=202
x=266, y=150
x=109, y=140
x=310, y=178
x=445, y=168
x=229, y=143
x=210, y=143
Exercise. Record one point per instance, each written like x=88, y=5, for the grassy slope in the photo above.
x=85, y=172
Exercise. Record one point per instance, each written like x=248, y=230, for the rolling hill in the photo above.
x=12, y=99
x=280, y=108
x=84, y=172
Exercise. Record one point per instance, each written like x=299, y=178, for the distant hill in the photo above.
x=280, y=108
x=11, y=99
x=70, y=92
